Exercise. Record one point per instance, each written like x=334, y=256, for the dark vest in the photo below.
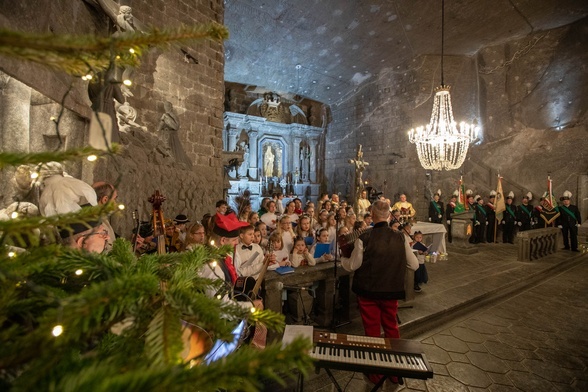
x=381, y=275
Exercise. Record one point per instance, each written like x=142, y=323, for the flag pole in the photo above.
x=495, y=218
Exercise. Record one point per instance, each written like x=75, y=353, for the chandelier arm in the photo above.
x=442, y=38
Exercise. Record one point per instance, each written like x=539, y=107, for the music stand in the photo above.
x=334, y=322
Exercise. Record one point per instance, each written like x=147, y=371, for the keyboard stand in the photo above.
x=336, y=384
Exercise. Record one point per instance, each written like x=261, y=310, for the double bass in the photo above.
x=197, y=341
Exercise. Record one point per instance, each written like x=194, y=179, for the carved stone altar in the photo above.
x=277, y=157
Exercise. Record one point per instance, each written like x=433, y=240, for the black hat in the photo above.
x=179, y=219
x=77, y=228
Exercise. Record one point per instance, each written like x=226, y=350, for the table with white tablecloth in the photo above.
x=436, y=231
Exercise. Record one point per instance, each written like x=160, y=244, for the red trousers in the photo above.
x=376, y=313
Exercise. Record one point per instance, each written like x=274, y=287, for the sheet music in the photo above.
x=250, y=259
x=291, y=332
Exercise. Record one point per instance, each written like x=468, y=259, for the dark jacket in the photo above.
x=381, y=275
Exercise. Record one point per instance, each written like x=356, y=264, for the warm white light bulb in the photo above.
x=89, y=76
x=11, y=254
x=132, y=50
x=212, y=242
x=121, y=207
x=79, y=272
x=57, y=330
x=34, y=175
x=14, y=215
x=213, y=264
x=253, y=309
x=219, y=296
x=92, y=158
x=127, y=82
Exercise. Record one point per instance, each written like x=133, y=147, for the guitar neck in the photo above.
x=255, y=290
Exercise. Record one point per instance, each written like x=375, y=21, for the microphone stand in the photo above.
x=334, y=322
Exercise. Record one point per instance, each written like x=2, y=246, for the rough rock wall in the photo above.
x=194, y=88
x=525, y=94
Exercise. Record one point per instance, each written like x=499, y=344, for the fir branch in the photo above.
x=16, y=158
x=79, y=55
x=163, y=340
x=12, y=228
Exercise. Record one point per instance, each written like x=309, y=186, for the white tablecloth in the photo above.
x=434, y=230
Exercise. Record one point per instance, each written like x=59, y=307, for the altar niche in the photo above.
x=273, y=157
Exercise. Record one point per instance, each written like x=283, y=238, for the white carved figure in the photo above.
x=268, y=162
x=126, y=116
x=124, y=19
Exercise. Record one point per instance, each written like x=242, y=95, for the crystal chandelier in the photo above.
x=441, y=145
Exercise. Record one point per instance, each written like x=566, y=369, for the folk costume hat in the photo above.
x=438, y=193
x=455, y=194
x=469, y=192
x=179, y=219
x=510, y=195
x=478, y=198
x=528, y=196
x=492, y=194
x=227, y=225
x=567, y=195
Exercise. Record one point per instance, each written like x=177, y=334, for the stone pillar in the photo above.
x=313, y=143
x=15, y=109
x=232, y=142
x=296, y=158
x=253, y=158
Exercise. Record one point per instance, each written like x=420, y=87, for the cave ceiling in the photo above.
x=326, y=49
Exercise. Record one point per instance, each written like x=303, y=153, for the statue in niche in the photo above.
x=126, y=116
x=304, y=161
x=268, y=162
x=244, y=168
x=169, y=126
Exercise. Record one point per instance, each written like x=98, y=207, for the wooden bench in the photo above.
x=534, y=244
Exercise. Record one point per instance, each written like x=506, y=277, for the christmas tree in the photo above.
x=73, y=320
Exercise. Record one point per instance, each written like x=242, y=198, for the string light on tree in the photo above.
x=121, y=207
x=127, y=82
x=79, y=272
x=34, y=175
x=92, y=158
x=57, y=330
x=14, y=215
x=11, y=254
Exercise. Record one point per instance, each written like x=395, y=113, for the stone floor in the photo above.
x=489, y=322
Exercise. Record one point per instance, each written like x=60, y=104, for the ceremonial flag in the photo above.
x=500, y=201
x=461, y=205
x=549, y=210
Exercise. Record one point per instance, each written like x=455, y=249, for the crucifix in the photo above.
x=360, y=165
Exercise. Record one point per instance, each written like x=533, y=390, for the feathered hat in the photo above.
x=438, y=193
x=478, y=198
x=567, y=195
x=492, y=194
x=528, y=196
x=455, y=193
x=469, y=192
x=510, y=195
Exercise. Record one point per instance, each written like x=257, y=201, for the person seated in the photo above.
x=322, y=238
x=407, y=212
x=78, y=236
x=270, y=218
x=249, y=258
x=180, y=232
x=196, y=236
x=281, y=255
x=304, y=230
x=300, y=255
